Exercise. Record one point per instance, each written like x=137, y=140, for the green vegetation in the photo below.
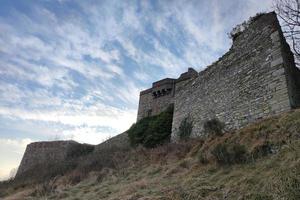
x=152, y=131
x=185, y=128
x=262, y=162
x=214, y=127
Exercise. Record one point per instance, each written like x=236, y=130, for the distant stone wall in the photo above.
x=45, y=152
x=58, y=153
x=257, y=78
x=118, y=142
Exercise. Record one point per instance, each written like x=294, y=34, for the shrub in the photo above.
x=152, y=131
x=230, y=154
x=214, y=126
x=185, y=128
x=261, y=150
x=45, y=188
x=239, y=153
x=220, y=152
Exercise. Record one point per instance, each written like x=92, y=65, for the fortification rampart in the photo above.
x=45, y=152
x=257, y=78
x=254, y=80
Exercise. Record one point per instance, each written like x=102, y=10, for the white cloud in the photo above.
x=116, y=69
x=88, y=135
x=142, y=76
x=77, y=115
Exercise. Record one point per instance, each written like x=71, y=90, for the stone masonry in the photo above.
x=43, y=153
x=255, y=79
x=161, y=95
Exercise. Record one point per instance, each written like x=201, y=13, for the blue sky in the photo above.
x=74, y=69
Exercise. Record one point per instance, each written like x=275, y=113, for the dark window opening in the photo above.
x=149, y=113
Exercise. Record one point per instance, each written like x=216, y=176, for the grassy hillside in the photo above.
x=259, y=162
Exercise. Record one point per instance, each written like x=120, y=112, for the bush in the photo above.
x=185, y=128
x=152, y=131
x=239, y=153
x=230, y=154
x=214, y=126
x=45, y=188
x=220, y=152
x=261, y=150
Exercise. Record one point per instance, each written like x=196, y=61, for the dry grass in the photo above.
x=174, y=172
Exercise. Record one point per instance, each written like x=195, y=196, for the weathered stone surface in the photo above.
x=52, y=152
x=161, y=95
x=257, y=78
x=45, y=152
x=118, y=142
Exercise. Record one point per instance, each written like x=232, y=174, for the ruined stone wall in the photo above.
x=44, y=152
x=292, y=74
x=255, y=79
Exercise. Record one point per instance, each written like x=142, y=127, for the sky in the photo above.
x=73, y=69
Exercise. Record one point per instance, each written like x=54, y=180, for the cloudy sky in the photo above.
x=74, y=69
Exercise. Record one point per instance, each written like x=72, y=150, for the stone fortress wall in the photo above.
x=255, y=79
x=161, y=95
x=45, y=152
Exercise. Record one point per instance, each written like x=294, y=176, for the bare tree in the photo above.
x=289, y=12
